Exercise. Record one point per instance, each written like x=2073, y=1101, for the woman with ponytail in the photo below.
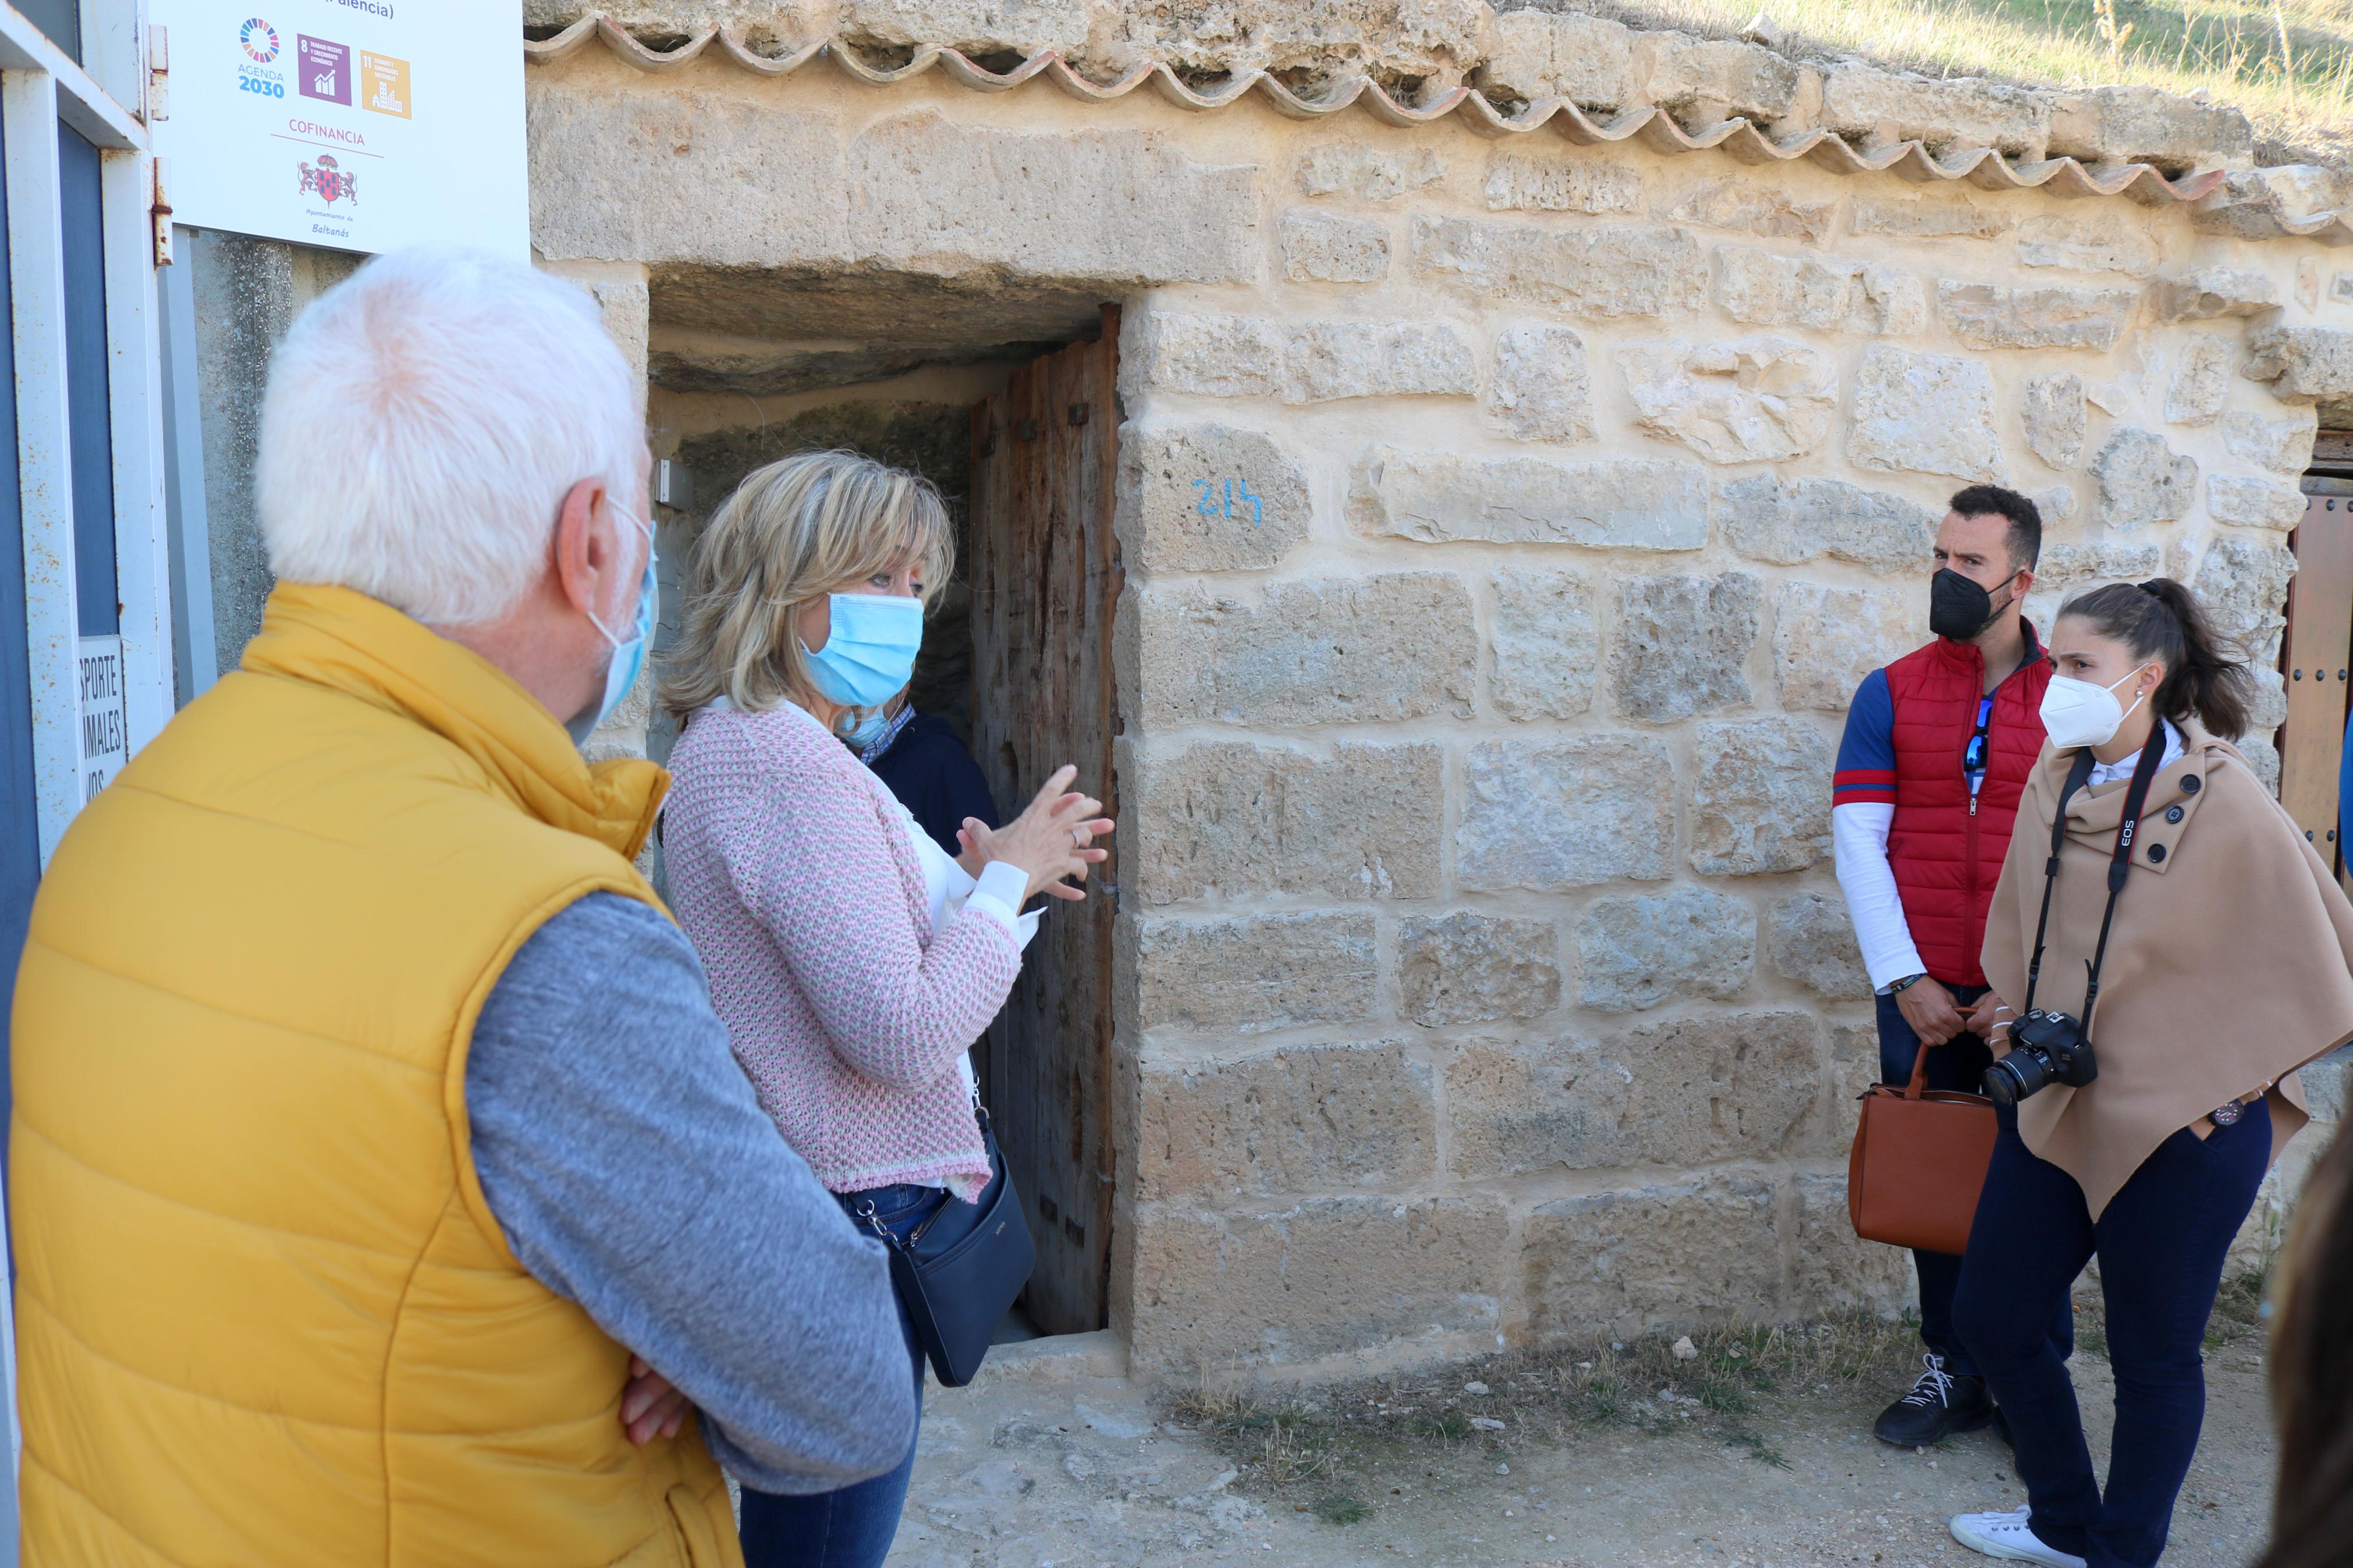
x=2168, y=950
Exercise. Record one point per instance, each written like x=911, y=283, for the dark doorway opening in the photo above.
x=1007, y=403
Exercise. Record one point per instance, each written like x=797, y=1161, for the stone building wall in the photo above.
x=1506, y=523
x=247, y=292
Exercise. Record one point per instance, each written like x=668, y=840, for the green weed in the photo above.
x=1760, y=1449
x=1446, y=1424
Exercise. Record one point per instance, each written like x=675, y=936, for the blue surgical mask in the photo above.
x=870, y=648
x=867, y=731
x=629, y=659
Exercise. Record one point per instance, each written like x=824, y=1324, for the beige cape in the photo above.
x=2230, y=963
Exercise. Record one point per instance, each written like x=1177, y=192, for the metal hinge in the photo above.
x=159, y=214
x=159, y=73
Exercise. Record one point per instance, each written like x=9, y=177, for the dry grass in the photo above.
x=2287, y=63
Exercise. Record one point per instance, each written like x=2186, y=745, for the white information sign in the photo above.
x=353, y=124
x=105, y=738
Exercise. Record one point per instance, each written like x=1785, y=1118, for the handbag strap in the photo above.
x=2144, y=771
x=868, y=1213
x=1919, y=1082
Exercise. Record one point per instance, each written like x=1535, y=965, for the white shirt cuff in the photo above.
x=999, y=895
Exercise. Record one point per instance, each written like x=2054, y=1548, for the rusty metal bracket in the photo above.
x=159, y=214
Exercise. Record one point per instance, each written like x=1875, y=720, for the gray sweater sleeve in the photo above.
x=623, y=1152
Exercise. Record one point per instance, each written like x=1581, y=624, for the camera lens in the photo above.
x=2013, y=1078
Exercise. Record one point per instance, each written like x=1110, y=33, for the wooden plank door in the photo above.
x=1045, y=581
x=2316, y=657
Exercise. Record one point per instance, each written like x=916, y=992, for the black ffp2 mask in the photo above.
x=1958, y=607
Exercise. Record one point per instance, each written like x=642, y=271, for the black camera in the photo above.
x=2044, y=1048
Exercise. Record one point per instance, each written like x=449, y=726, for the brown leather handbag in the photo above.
x=1919, y=1162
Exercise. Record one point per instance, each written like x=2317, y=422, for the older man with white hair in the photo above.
x=369, y=1110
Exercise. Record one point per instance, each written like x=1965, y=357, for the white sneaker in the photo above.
x=2008, y=1535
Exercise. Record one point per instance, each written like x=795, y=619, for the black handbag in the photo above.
x=958, y=1286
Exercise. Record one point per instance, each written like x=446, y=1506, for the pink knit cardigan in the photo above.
x=791, y=870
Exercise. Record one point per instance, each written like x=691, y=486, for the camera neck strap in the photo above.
x=2144, y=771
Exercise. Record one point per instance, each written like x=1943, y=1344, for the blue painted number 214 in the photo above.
x=1213, y=504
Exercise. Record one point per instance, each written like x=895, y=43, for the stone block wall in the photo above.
x=1506, y=525
x=247, y=292
x=1502, y=559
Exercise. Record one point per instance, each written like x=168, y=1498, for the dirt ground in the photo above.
x=1758, y=1453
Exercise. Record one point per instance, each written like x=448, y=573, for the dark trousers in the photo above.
x=851, y=1526
x=2160, y=1241
x=1958, y=1064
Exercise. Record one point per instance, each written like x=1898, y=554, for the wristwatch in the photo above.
x=1906, y=984
x=2226, y=1114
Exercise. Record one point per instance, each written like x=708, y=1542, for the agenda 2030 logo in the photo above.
x=260, y=41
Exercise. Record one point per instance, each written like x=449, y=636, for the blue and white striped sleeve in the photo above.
x=1866, y=755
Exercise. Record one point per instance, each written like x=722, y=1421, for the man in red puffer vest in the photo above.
x=1937, y=749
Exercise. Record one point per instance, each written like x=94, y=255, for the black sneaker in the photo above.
x=1938, y=1405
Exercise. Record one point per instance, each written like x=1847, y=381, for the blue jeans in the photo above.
x=851, y=1528
x=1958, y=1064
x=2161, y=1242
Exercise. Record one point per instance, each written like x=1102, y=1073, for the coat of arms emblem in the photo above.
x=332, y=183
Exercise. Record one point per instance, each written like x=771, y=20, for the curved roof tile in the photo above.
x=1655, y=127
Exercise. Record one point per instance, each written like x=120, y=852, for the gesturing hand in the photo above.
x=652, y=1406
x=1051, y=840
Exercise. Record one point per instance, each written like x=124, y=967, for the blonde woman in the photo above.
x=851, y=959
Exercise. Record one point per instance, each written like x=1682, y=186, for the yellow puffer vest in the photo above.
x=264, y=1315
